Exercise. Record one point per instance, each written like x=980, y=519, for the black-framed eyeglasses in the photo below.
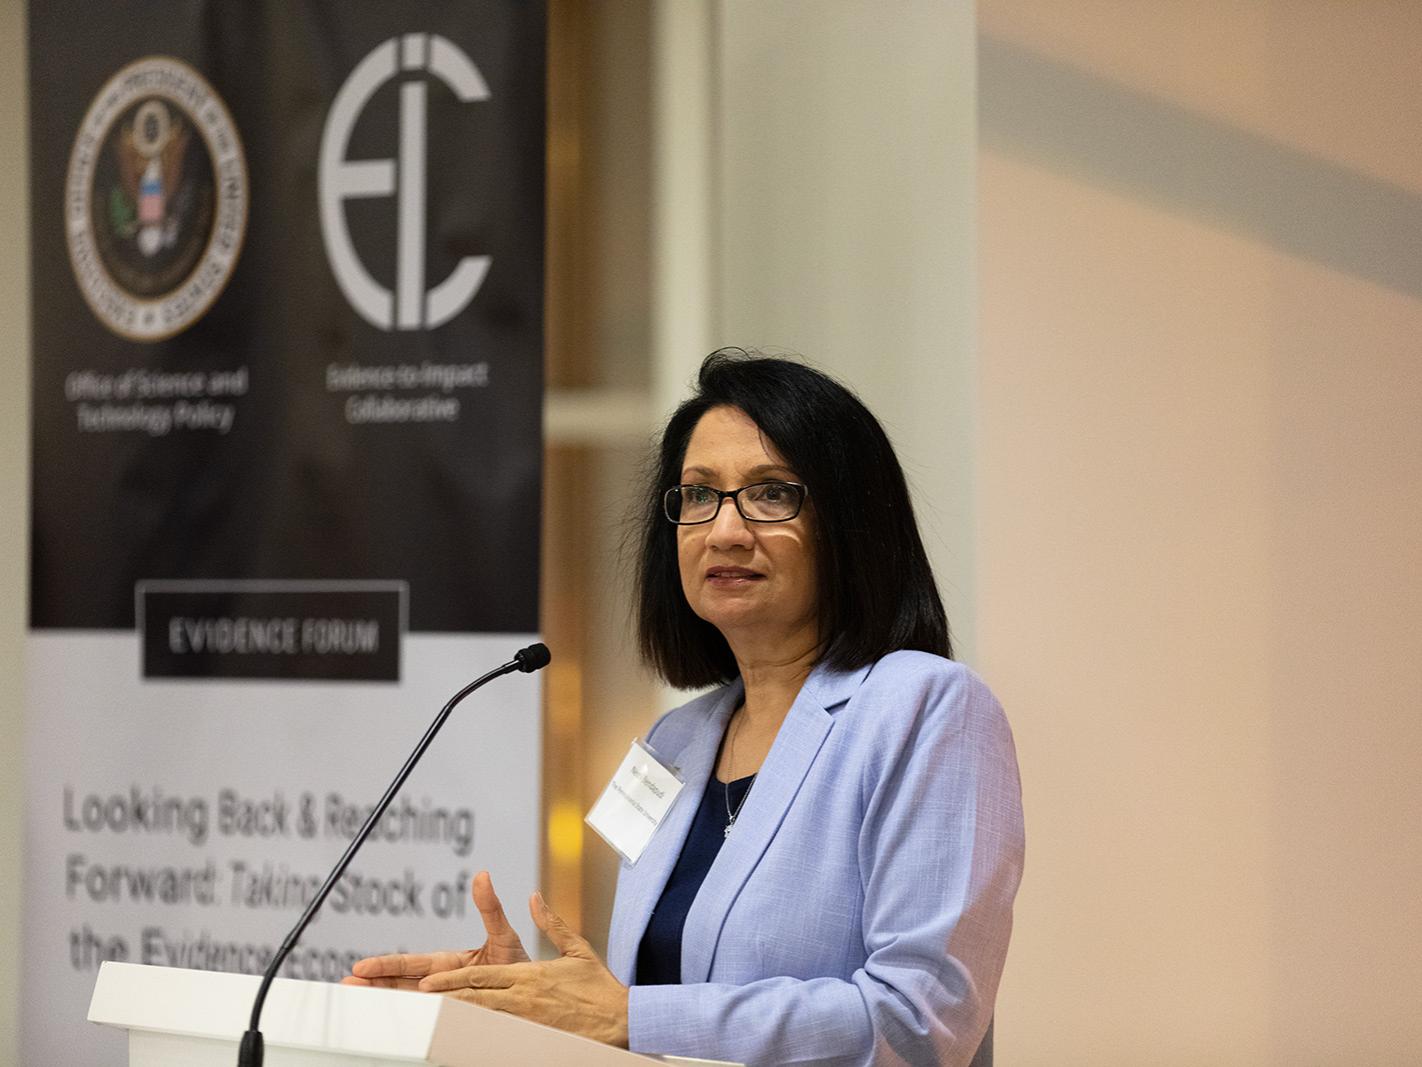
x=688, y=505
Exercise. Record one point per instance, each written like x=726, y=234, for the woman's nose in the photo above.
x=728, y=528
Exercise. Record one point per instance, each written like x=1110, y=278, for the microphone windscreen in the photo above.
x=533, y=658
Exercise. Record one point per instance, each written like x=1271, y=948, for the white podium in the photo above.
x=180, y=1018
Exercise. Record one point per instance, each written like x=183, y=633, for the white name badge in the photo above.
x=635, y=802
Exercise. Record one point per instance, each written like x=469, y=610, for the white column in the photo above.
x=846, y=155
x=685, y=199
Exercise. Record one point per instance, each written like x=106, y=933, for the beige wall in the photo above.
x=14, y=491
x=1200, y=524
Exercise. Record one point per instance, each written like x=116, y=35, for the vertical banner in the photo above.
x=287, y=276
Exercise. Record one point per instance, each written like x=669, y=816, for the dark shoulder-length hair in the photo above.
x=876, y=590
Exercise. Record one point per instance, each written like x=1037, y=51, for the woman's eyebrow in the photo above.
x=753, y=472
x=771, y=468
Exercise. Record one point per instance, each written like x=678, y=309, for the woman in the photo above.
x=836, y=885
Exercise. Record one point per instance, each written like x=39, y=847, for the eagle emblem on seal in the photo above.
x=150, y=152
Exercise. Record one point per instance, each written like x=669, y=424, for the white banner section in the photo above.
x=186, y=823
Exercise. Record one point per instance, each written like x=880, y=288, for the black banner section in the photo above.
x=288, y=301
x=289, y=630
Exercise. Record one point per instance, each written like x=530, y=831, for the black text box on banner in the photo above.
x=327, y=631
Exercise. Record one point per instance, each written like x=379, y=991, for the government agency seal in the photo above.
x=155, y=200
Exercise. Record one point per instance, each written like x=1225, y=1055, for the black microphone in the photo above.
x=253, y=1049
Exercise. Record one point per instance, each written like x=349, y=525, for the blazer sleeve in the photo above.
x=940, y=853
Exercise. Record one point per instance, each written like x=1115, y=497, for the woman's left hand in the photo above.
x=575, y=992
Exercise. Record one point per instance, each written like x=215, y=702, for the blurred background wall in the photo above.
x=1200, y=520
x=1136, y=289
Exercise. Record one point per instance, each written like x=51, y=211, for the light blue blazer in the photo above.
x=859, y=913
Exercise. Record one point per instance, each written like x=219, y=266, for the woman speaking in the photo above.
x=835, y=885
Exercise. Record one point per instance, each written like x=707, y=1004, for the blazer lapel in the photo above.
x=776, y=785
x=641, y=886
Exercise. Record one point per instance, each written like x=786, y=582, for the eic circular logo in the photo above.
x=155, y=201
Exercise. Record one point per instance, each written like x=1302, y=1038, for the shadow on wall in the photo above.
x=1048, y=113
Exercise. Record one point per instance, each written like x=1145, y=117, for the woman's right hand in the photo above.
x=404, y=970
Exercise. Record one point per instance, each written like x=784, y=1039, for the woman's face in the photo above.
x=753, y=581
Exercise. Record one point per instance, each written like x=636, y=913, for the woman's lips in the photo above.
x=730, y=577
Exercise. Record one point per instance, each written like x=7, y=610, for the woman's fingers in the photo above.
x=556, y=930
x=403, y=970
x=407, y=964
x=482, y=976
x=491, y=911
x=503, y=945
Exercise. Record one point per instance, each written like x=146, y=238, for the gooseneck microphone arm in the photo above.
x=253, y=1050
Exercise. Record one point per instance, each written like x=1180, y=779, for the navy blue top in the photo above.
x=659, y=955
